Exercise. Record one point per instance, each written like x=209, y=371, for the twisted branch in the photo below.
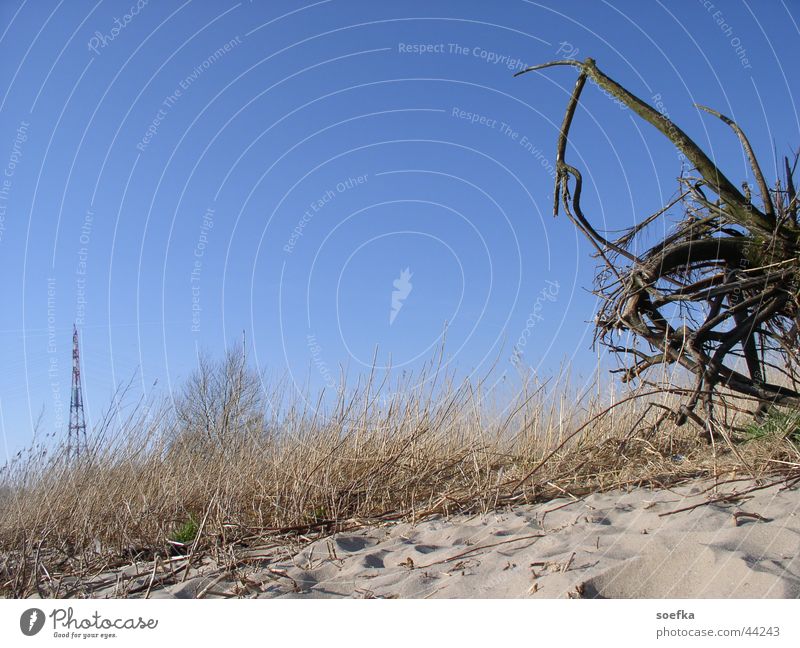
x=721, y=287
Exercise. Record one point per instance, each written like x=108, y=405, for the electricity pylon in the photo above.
x=76, y=440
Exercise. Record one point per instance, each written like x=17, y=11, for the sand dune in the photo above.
x=611, y=545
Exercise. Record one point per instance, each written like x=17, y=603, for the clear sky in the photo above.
x=337, y=177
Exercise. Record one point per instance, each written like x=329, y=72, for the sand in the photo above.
x=607, y=545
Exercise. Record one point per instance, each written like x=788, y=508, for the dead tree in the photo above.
x=718, y=292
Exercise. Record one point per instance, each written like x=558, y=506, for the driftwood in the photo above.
x=718, y=296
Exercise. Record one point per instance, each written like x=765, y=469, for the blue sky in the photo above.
x=175, y=173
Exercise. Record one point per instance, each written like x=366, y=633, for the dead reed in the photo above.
x=229, y=464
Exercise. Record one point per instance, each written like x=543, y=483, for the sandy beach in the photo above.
x=740, y=539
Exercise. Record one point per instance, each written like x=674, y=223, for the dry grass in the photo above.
x=227, y=465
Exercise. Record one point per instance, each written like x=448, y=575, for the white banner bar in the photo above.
x=350, y=623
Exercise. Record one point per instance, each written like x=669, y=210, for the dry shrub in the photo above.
x=230, y=463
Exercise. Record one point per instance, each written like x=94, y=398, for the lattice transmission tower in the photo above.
x=76, y=440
